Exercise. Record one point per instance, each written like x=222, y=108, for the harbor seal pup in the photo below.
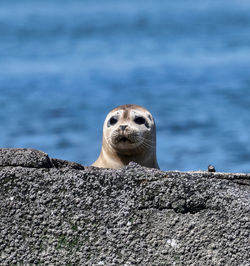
x=129, y=134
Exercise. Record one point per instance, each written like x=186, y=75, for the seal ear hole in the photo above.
x=140, y=120
x=112, y=121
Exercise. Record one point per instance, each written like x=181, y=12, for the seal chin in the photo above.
x=124, y=139
x=123, y=143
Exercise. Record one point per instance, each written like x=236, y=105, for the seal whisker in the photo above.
x=146, y=145
x=148, y=140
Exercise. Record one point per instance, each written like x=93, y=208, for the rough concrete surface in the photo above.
x=54, y=212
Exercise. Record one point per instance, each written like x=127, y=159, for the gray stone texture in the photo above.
x=54, y=212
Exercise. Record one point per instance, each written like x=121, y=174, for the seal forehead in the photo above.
x=128, y=107
x=126, y=110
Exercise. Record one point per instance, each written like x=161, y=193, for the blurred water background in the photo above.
x=65, y=63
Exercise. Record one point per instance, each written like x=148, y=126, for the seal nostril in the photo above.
x=123, y=127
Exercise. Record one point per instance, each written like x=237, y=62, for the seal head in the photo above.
x=129, y=134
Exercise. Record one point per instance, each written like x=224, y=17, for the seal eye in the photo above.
x=140, y=120
x=113, y=120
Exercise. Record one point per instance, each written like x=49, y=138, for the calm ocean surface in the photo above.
x=65, y=64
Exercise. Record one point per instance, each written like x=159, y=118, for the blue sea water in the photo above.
x=65, y=63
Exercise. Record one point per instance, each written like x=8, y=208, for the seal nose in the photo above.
x=122, y=127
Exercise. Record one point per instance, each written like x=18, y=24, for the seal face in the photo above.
x=129, y=134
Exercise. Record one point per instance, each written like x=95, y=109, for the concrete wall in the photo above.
x=54, y=212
